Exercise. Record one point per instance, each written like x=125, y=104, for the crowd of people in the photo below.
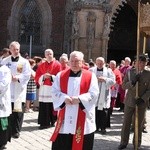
x=75, y=97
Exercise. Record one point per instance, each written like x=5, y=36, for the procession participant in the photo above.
x=5, y=106
x=31, y=88
x=121, y=92
x=21, y=72
x=44, y=77
x=75, y=94
x=64, y=61
x=5, y=53
x=115, y=87
x=38, y=61
x=106, y=79
x=129, y=82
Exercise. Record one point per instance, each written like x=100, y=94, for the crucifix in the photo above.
x=8, y=64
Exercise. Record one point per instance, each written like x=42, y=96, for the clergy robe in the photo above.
x=5, y=105
x=20, y=68
x=123, y=71
x=46, y=113
x=115, y=87
x=87, y=99
x=104, y=98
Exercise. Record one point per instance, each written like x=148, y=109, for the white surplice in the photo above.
x=88, y=100
x=22, y=70
x=45, y=91
x=5, y=98
x=104, y=97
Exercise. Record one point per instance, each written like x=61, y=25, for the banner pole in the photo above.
x=137, y=90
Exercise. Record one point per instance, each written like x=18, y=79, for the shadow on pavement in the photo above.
x=101, y=144
x=31, y=121
x=30, y=128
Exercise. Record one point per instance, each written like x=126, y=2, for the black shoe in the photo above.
x=2, y=147
x=132, y=129
x=103, y=131
x=121, y=110
x=16, y=135
x=144, y=131
x=43, y=127
x=97, y=131
x=52, y=125
x=122, y=146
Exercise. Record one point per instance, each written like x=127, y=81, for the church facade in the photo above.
x=106, y=28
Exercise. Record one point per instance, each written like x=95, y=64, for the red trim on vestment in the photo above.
x=84, y=87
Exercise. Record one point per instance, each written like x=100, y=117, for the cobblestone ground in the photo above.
x=32, y=138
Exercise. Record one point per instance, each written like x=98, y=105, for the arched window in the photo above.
x=30, y=23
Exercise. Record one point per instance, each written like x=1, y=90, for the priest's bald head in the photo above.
x=14, y=48
x=76, y=61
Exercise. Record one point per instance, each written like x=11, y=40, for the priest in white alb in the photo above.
x=74, y=93
x=5, y=106
x=106, y=79
x=21, y=72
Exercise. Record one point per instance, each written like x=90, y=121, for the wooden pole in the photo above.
x=137, y=58
x=30, y=51
x=144, y=44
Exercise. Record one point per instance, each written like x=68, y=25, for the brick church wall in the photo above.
x=58, y=21
x=5, y=10
x=58, y=16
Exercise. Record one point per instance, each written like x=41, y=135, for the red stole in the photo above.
x=84, y=87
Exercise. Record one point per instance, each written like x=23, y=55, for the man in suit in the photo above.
x=129, y=83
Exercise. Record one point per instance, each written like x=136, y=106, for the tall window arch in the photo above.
x=30, y=23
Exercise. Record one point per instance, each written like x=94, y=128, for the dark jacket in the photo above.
x=143, y=87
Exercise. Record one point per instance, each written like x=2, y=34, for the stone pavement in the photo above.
x=32, y=138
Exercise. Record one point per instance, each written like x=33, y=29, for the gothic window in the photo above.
x=30, y=23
